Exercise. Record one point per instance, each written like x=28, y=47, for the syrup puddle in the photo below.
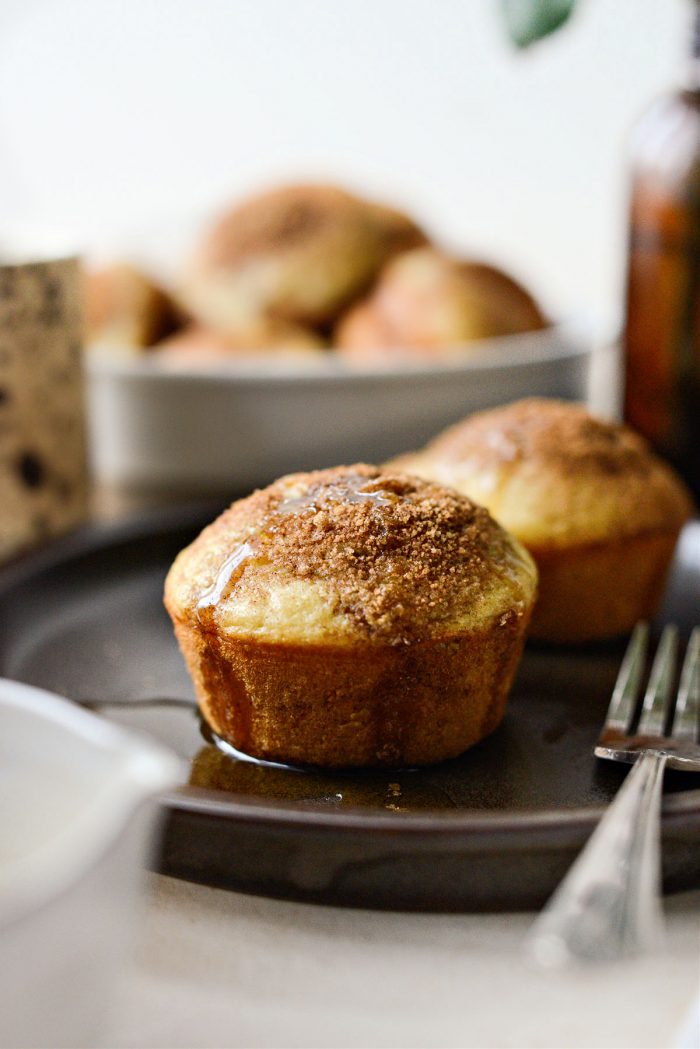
x=220, y=766
x=217, y=766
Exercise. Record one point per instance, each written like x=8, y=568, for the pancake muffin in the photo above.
x=352, y=617
x=298, y=254
x=429, y=303
x=598, y=511
x=126, y=310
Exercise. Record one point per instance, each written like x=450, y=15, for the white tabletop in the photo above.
x=217, y=969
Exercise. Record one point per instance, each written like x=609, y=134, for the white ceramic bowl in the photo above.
x=76, y=829
x=227, y=427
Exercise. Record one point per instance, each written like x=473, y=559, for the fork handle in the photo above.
x=609, y=904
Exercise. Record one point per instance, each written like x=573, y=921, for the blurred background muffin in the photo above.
x=426, y=301
x=126, y=310
x=297, y=253
x=398, y=231
x=306, y=267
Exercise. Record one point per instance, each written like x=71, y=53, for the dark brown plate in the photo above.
x=495, y=829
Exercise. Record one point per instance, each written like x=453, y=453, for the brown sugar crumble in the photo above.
x=398, y=554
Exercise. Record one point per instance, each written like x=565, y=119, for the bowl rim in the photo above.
x=570, y=338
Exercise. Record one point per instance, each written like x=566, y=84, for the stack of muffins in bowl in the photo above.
x=375, y=616
x=304, y=300
x=306, y=271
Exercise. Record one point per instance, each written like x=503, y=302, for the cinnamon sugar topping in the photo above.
x=539, y=429
x=279, y=220
x=397, y=554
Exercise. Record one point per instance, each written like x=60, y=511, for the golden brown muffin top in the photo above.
x=426, y=300
x=124, y=308
x=398, y=231
x=362, y=554
x=557, y=433
x=298, y=253
x=279, y=219
x=550, y=471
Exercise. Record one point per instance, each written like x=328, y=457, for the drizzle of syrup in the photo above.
x=380, y=497
x=350, y=489
x=298, y=504
x=228, y=575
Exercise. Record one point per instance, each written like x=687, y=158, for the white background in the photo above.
x=123, y=118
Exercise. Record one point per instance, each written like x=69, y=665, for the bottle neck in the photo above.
x=693, y=73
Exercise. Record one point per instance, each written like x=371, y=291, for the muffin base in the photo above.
x=342, y=707
x=590, y=593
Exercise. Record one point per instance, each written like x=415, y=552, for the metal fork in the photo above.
x=609, y=904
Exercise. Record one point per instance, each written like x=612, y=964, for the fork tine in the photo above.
x=686, y=723
x=657, y=697
x=624, y=697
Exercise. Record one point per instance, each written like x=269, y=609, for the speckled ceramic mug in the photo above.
x=43, y=470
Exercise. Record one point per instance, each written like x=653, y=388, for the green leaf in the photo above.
x=528, y=21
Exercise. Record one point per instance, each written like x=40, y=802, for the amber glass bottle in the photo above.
x=662, y=332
